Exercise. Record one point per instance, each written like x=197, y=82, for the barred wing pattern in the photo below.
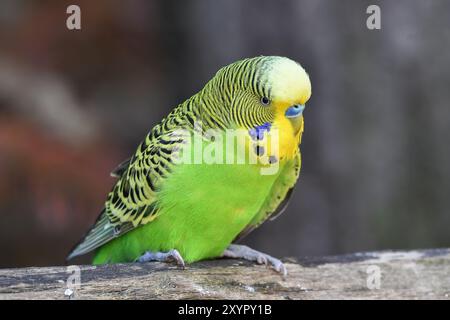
x=133, y=199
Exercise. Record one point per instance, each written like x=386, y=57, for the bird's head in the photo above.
x=285, y=90
x=266, y=91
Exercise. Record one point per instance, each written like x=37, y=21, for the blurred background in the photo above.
x=74, y=104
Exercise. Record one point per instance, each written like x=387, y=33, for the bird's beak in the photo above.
x=294, y=114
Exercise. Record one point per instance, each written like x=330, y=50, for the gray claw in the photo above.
x=244, y=252
x=170, y=256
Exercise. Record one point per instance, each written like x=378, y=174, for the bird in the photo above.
x=166, y=207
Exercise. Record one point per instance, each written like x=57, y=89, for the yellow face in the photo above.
x=266, y=94
x=290, y=90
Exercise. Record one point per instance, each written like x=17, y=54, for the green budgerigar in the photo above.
x=173, y=202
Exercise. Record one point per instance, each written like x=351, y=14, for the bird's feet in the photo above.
x=170, y=256
x=243, y=252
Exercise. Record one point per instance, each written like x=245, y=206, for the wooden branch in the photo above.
x=404, y=275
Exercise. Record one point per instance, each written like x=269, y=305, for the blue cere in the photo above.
x=295, y=111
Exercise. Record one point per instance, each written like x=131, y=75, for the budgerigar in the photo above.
x=166, y=209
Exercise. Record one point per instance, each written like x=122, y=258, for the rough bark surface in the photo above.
x=423, y=274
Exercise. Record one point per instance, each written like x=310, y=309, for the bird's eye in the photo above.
x=265, y=101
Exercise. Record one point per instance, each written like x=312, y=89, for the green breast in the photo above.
x=202, y=209
x=207, y=206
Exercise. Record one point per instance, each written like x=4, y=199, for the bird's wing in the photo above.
x=121, y=168
x=278, y=199
x=133, y=199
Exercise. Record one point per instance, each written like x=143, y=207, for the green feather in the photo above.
x=158, y=205
x=202, y=209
